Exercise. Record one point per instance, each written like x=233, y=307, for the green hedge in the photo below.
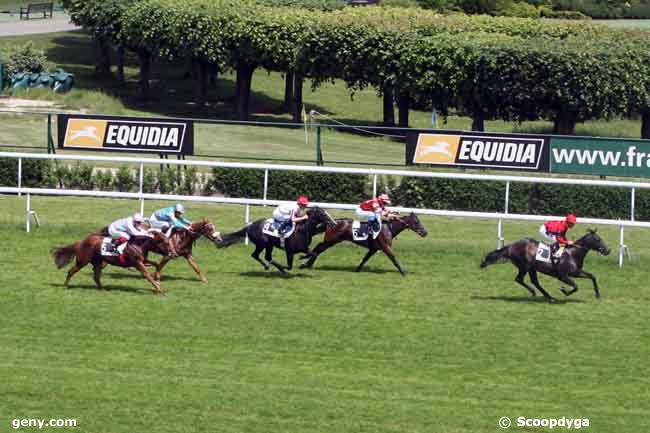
x=542, y=199
x=35, y=173
x=287, y=185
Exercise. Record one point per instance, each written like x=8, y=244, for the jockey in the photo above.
x=288, y=214
x=167, y=218
x=122, y=230
x=372, y=210
x=555, y=231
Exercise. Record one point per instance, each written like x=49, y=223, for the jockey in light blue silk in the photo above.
x=167, y=218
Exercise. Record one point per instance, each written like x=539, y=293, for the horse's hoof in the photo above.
x=565, y=291
x=204, y=280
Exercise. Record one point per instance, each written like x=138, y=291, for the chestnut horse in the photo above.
x=522, y=254
x=342, y=231
x=183, y=241
x=88, y=250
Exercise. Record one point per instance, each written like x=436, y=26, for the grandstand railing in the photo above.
x=374, y=173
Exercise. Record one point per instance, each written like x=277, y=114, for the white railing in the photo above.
x=264, y=201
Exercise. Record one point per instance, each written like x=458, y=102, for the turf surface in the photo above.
x=449, y=348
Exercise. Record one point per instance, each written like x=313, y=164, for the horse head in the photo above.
x=319, y=215
x=207, y=229
x=592, y=241
x=413, y=222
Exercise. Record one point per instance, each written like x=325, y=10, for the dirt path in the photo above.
x=60, y=23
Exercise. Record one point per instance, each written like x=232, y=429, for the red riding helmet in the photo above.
x=383, y=198
x=571, y=218
x=303, y=200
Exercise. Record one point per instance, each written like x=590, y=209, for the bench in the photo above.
x=37, y=8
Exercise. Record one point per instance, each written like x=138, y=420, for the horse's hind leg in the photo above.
x=256, y=255
x=535, y=280
x=268, y=255
x=592, y=277
x=520, y=279
x=97, y=274
x=565, y=279
x=73, y=270
x=369, y=254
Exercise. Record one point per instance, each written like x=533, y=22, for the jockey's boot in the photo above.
x=374, y=226
x=554, y=259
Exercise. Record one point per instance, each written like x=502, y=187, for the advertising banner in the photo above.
x=478, y=150
x=125, y=134
x=600, y=156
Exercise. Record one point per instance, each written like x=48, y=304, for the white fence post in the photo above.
x=28, y=213
x=622, y=247
x=20, y=174
x=632, y=204
x=141, y=188
x=248, y=218
x=266, y=187
x=374, y=185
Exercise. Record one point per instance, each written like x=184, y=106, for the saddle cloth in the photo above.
x=543, y=253
x=109, y=250
x=270, y=228
x=360, y=230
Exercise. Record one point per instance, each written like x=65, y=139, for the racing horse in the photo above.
x=522, y=254
x=342, y=231
x=298, y=242
x=183, y=241
x=88, y=250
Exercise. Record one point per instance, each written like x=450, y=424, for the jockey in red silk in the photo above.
x=372, y=210
x=555, y=231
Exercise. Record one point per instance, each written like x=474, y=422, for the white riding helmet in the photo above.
x=179, y=208
x=138, y=218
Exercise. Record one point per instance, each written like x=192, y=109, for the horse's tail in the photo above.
x=63, y=255
x=496, y=256
x=232, y=238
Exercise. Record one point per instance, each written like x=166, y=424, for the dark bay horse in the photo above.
x=88, y=250
x=298, y=242
x=522, y=255
x=342, y=231
x=183, y=241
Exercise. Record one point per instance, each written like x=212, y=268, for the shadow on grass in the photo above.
x=341, y=268
x=270, y=274
x=139, y=276
x=105, y=288
x=526, y=299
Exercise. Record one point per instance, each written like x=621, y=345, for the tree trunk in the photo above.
x=564, y=123
x=478, y=122
x=144, y=58
x=103, y=65
x=296, y=106
x=403, y=107
x=389, y=108
x=645, y=124
x=202, y=82
x=214, y=74
x=121, y=53
x=244, y=82
x=288, y=91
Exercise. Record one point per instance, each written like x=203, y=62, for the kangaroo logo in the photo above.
x=436, y=149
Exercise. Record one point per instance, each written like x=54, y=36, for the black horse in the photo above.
x=298, y=242
x=522, y=255
x=342, y=231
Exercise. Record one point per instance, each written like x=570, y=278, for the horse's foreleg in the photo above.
x=389, y=252
x=160, y=266
x=289, y=261
x=520, y=279
x=592, y=277
x=73, y=270
x=256, y=255
x=369, y=254
x=268, y=255
x=195, y=266
x=565, y=279
x=535, y=280
x=143, y=270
